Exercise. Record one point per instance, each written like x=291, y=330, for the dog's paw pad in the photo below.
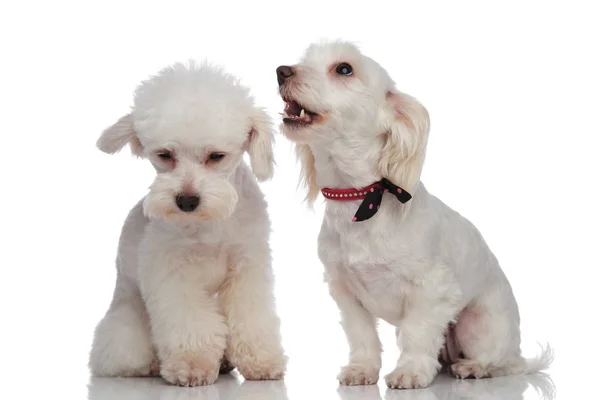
x=356, y=374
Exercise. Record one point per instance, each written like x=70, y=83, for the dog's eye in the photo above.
x=213, y=157
x=344, y=69
x=165, y=155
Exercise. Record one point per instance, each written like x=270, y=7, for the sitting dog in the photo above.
x=390, y=249
x=194, y=279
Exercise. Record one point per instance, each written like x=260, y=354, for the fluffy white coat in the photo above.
x=419, y=266
x=194, y=289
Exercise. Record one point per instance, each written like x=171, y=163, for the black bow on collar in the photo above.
x=373, y=197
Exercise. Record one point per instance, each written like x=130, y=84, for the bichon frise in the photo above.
x=390, y=249
x=194, y=289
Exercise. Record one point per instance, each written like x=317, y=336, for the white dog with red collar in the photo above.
x=416, y=264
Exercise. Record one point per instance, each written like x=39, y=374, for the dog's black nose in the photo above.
x=187, y=203
x=284, y=72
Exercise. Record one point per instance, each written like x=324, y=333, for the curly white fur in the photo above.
x=419, y=265
x=194, y=288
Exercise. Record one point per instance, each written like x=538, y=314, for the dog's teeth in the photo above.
x=302, y=113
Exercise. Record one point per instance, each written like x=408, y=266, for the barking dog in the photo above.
x=390, y=249
x=194, y=279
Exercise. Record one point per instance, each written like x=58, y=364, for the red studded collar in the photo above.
x=371, y=195
x=347, y=194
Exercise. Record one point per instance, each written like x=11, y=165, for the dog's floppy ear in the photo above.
x=115, y=137
x=308, y=173
x=260, y=146
x=406, y=122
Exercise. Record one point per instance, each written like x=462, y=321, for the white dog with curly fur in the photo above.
x=390, y=249
x=194, y=290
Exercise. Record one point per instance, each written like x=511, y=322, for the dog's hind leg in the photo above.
x=488, y=334
x=122, y=344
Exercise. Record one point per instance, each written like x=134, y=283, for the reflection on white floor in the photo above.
x=231, y=386
x=227, y=387
x=446, y=387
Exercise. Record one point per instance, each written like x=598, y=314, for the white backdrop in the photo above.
x=512, y=90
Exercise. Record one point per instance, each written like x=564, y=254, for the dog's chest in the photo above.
x=208, y=265
x=379, y=289
x=367, y=270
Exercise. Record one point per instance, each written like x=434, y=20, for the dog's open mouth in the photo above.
x=296, y=114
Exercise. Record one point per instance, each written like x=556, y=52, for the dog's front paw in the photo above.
x=259, y=364
x=357, y=374
x=190, y=369
x=413, y=374
x=264, y=370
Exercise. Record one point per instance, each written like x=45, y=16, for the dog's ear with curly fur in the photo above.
x=121, y=133
x=260, y=146
x=308, y=173
x=406, y=123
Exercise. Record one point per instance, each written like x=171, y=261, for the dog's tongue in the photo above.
x=292, y=108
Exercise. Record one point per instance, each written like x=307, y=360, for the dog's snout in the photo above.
x=187, y=203
x=284, y=72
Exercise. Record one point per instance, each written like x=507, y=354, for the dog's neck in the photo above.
x=341, y=163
